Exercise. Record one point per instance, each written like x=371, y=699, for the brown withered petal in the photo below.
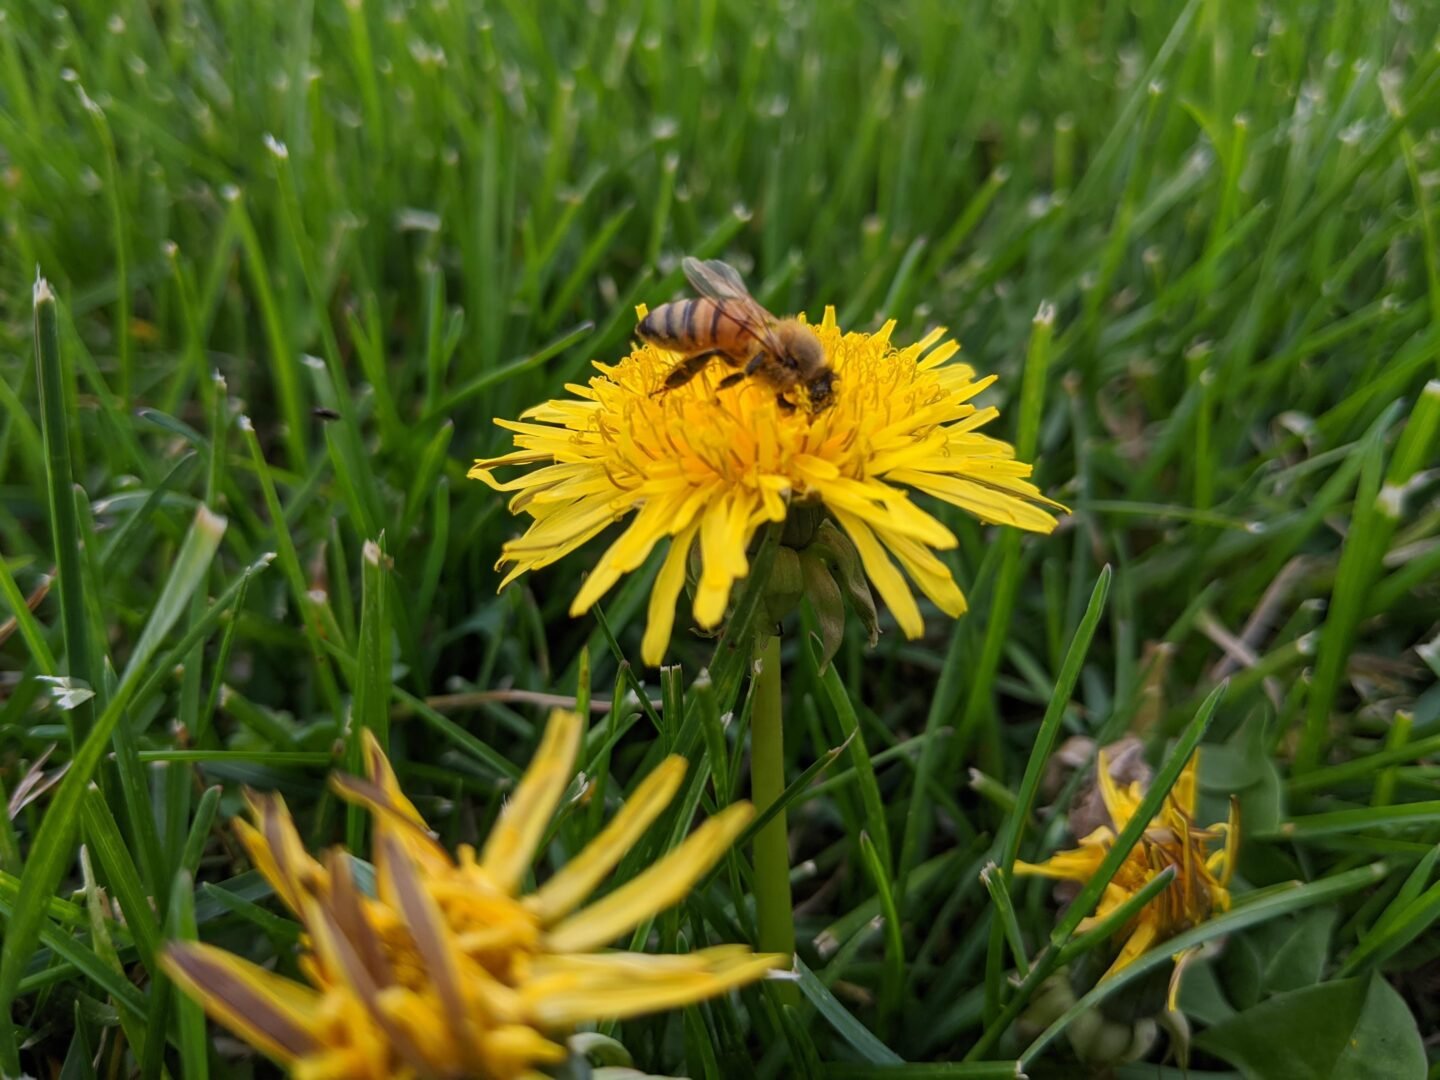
x=268, y=1027
x=426, y=926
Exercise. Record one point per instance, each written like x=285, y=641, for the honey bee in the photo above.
x=726, y=323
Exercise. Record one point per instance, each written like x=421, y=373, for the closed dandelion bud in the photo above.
x=786, y=587
x=1084, y=1033
x=839, y=552
x=827, y=603
x=1100, y=1041
x=1050, y=1002
x=803, y=523
x=1142, y=1038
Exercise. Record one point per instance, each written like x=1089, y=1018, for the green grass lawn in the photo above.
x=301, y=256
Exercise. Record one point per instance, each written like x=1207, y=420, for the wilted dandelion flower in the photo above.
x=449, y=970
x=705, y=467
x=1202, y=877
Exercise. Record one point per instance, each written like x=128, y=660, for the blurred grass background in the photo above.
x=415, y=217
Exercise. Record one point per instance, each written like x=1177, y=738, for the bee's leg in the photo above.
x=756, y=361
x=786, y=406
x=688, y=368
x=730, y=380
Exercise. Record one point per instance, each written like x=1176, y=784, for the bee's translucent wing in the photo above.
x=722, y=283
x=715, y=279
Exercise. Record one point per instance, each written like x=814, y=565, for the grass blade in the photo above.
x=60, y=488
x=846, y=1026
x=849, y=723
x=978, y=703
x=792, y=792
x=1008, y=842
x=892, y=979
x=108, y=845
x=190, y=1017
x=371, y=683
x=1005, y=919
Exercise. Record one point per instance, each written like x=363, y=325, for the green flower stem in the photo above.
x=767, y=784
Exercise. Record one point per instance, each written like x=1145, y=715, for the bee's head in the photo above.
x=820, y=389
x=800, y=350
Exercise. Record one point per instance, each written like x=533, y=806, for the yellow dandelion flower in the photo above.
x=1202, y=877
x=705, y=466
x=449, y=969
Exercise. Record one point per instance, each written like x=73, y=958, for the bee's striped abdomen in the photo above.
x=687, y=324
